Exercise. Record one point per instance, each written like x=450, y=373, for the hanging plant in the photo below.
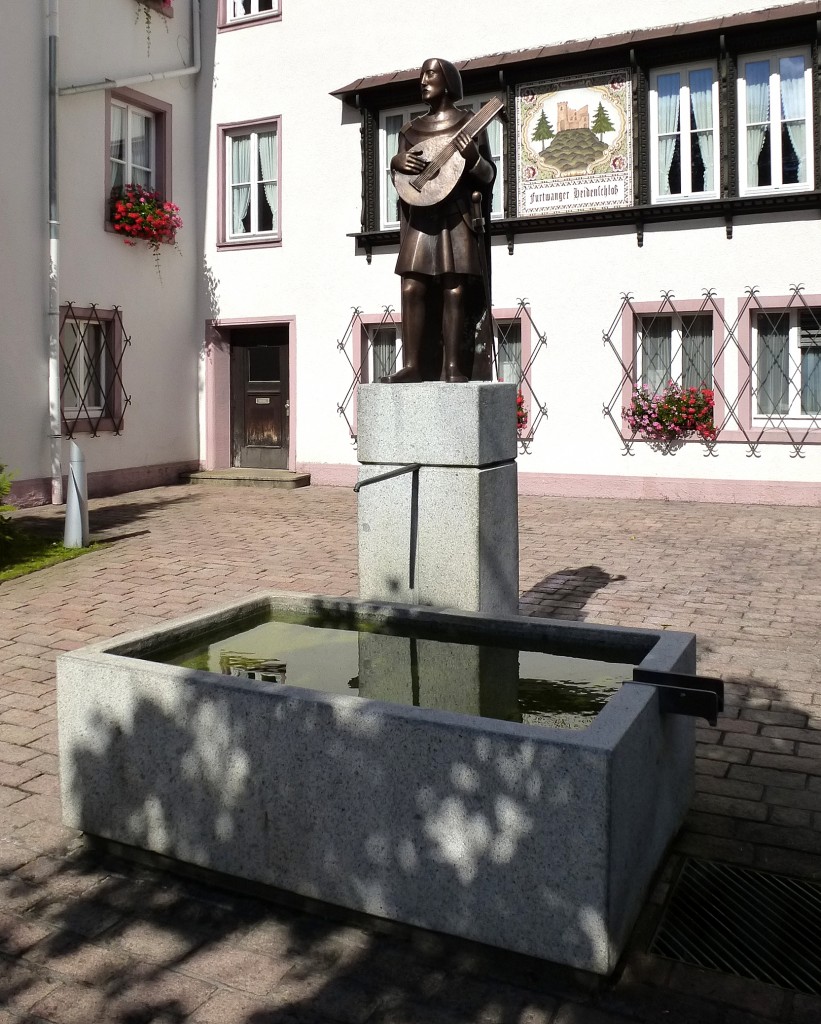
x=164, y=6
x=521, y=412
x=140, y=214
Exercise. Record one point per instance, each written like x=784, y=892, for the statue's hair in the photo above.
x=453, y=80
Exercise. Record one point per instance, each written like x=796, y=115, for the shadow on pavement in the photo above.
x=564, y=594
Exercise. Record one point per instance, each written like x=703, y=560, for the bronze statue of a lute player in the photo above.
x=444, y=159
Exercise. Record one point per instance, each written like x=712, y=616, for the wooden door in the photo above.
x=260, y=404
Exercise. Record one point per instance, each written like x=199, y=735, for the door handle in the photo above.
x=287, y=406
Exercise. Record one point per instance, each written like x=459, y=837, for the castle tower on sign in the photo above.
x=567, y=118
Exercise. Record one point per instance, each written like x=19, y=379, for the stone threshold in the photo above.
x=281, y=478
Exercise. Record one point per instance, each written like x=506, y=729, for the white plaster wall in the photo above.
x=23, y=347
x=98, y=39
x=573, y=279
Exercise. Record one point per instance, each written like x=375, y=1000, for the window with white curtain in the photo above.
x=237, y=10
x=390, y=121
x=509, y=351
x=683, y=129
x=84, y=366
x=787, y=363
x=677, y=348
x=132, y=147
x=383, y=355
x=775, y=122
x=252, y=183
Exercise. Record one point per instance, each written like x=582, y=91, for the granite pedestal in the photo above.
x=445, y=534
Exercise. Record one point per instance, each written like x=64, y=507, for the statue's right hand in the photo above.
x=410, y=161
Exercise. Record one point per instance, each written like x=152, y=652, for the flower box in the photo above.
x=673, y=414
x=140, y=214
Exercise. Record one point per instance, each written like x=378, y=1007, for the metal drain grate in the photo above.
x=750, y=923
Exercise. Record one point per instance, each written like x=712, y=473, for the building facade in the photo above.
x=655, y=220
x=123, y=351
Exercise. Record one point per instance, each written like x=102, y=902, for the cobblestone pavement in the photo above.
x=85, y=937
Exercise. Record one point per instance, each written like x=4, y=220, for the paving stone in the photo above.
x=788, y=862
x=236, y=968
x=766, y=743
x=704, y=766
x=730, y=788
x=766, y=1000
x=805, y=1009
x=21, y=987
x=229, y=1007
x=768, y=776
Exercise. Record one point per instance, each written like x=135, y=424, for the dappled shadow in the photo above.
x=564, y=594
x=494, y=833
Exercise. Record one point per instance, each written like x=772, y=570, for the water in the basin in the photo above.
x=495, y=682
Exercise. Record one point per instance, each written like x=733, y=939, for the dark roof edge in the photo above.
x=511, y=58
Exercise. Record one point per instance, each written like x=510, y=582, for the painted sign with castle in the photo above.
x=574, y=145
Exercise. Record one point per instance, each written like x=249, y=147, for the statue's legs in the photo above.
x=453, y=325
x=414, y=295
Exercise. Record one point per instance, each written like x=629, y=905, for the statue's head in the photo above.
x=450, y=75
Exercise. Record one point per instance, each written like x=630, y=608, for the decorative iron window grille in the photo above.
x=362, y=334
x=92, y=344
x=763, y=367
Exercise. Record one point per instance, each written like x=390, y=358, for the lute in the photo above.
x=444, y=161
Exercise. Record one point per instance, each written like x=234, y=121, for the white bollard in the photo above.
x=76, y=531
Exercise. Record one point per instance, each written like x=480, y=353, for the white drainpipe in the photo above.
x=55, y=422
x=157, y=76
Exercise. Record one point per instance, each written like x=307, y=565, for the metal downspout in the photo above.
x=55, y=424
x=157, y=76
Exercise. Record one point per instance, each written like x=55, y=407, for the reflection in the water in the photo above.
x=494, y=682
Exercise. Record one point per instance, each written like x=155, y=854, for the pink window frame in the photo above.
x=254, y=241
x=162, y=142
x=629, y=326
x=525, y=329
x=744, y=334
x=225, y=25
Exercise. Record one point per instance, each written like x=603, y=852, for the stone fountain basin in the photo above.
x=538, y=840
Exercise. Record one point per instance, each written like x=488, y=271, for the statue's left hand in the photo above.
x=467, y=148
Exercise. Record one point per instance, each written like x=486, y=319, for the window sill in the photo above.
x=91, y=426
x=250, y=21
x=638, y=216
x=252, y=243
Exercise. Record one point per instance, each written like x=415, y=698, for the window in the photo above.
x=138, y=151
x=250, y=169
x=244, y=10
x=683, y=125
x=382, y=355
x=678, y=348
x=787, y=367
x=775, y=122
x=132, y=146
x=509, y=351
x=390, y=121
x=91, y=345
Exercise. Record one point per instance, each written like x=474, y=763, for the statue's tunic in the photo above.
x=440, y=239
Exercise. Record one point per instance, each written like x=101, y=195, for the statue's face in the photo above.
x=432, y=81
